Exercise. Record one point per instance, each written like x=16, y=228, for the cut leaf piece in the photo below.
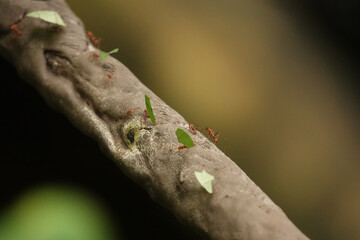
x=48, y=16
x=149, y=109
x=184, y=138
x=205, y=179
x=103, y=55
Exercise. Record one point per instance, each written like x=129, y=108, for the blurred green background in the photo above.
x=278, y=81
x=56, y=213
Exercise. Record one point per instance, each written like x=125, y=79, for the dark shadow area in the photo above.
x=337, y=23
x=39, y=146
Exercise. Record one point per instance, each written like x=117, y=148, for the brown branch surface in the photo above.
x=59, y=63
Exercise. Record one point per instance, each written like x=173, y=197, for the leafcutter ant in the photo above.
x=95, y=54
x=192, y=128
x=212, y=134
x=181, y=147
x=147, y=114
x=129, y=111
x=15, y=29
x=93, y=39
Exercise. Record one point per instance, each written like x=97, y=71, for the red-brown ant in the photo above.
x=181, y=147
x=129, y=111
x=95, y=54
x=93, y=39
x=15, y=29
x=212, y=134
x=192, y=128
x=147, y=114
x=109, y=76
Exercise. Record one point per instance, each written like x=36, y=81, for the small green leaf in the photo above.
x=149, y=109
x=205, y=179
x=103, y=55
x=48, y=16
x=184, y=138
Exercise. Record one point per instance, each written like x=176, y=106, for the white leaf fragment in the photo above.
x=205, y=179
x=48, y=16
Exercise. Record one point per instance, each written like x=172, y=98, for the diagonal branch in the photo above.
x=59, y=63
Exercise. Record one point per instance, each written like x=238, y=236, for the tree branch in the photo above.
x=59, y=63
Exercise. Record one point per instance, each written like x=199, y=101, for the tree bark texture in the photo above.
x=59, y=63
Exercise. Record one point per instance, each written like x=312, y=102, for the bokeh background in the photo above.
x=278, y=79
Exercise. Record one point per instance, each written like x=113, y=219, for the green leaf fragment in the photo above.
x=205, y=179
x=103, y=55
x=48, y=16
x=149, y=109
x=184, y=138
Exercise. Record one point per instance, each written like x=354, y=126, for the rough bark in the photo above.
x=59, y=63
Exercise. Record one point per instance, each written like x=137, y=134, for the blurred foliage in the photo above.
x=55, y=213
